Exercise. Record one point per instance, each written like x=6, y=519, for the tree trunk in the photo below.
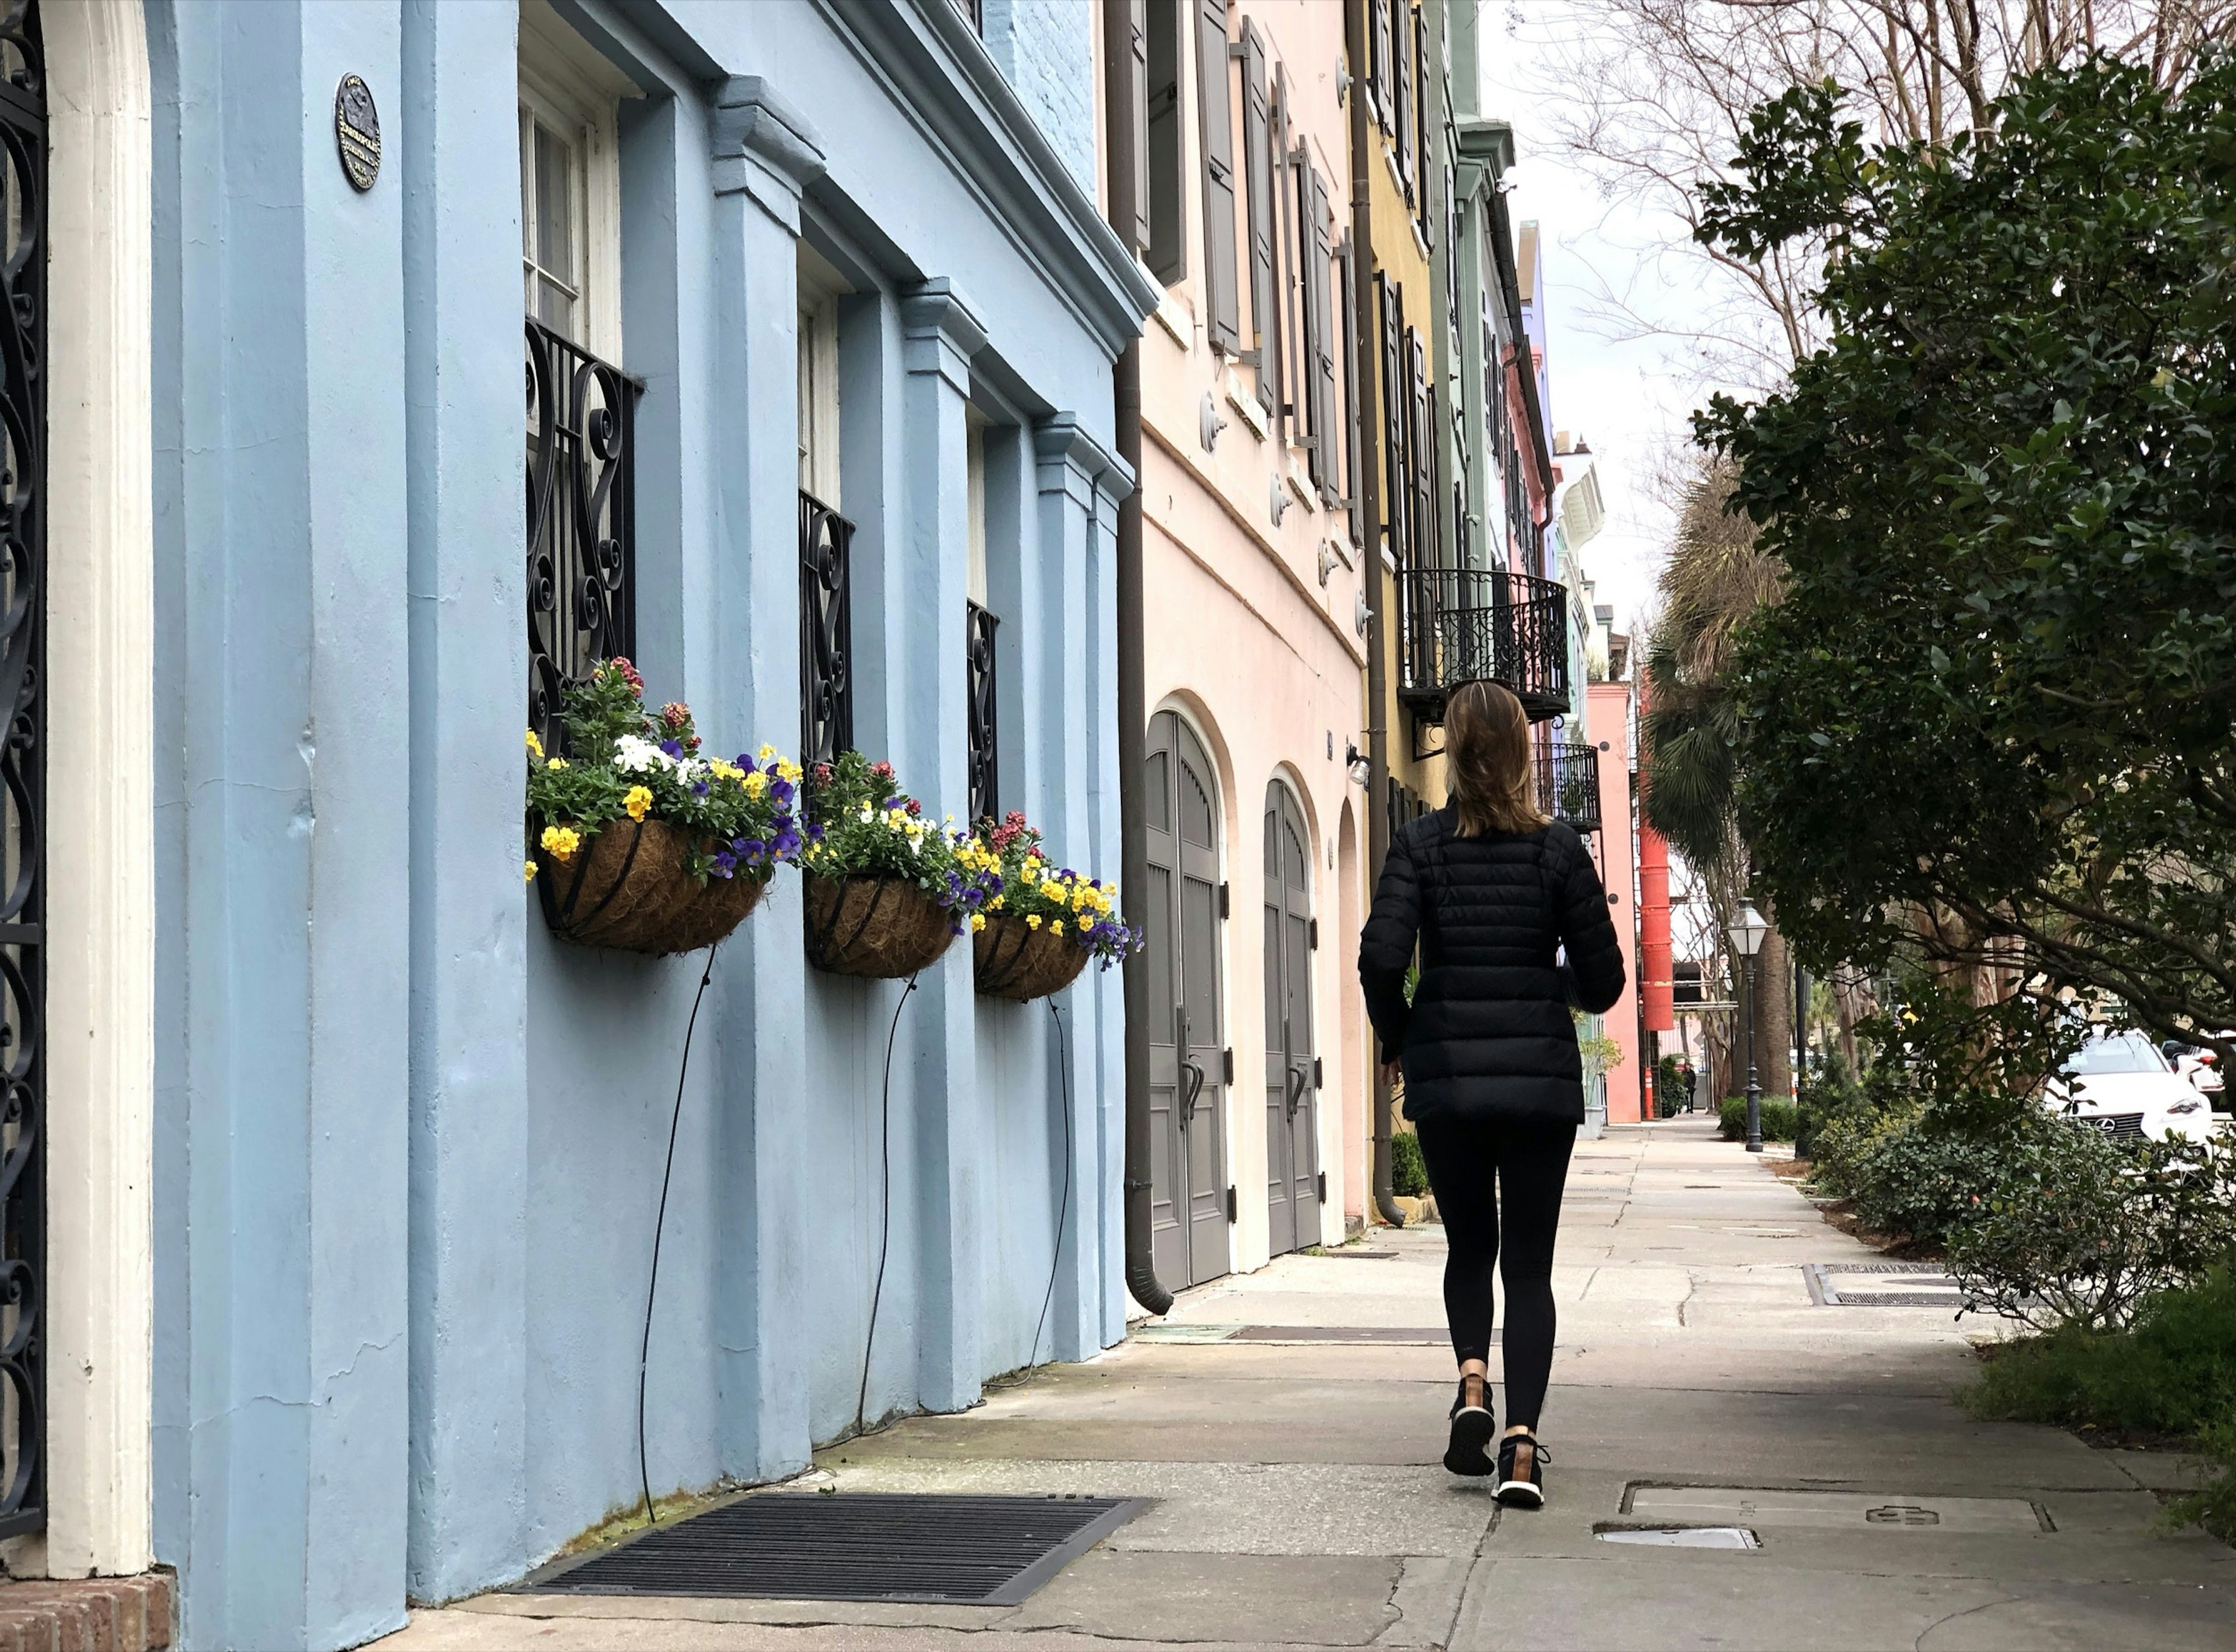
x=1773, y=1010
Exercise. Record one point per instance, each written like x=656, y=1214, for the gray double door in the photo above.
x=1293, y=1182
x=1187, y=1058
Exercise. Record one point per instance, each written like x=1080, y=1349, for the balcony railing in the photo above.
x=1568, y=783
x=1463, y=625
x=985, y=775
x=827, y=632
x=582, y=520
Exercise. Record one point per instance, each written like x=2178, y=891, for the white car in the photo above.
x=2200, y=1066
x=2120, y=1083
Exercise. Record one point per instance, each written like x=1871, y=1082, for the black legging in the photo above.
x=1531, y=1163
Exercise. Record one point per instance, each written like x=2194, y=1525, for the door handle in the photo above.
x=1296, y=1089
x=1194, y=1089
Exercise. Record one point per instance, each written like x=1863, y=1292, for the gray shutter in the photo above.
x=1421, y=98
x=1408, y=91
x=1378, y=76
x=1394, y=490
x=1422, y=434
x=1320, y=268
x=1346, y=324
x=1137, y=35
x=1167, y=195
x=1258, y=170
x=1222, y=295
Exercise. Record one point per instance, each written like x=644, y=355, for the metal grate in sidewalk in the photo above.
x=850, y=1546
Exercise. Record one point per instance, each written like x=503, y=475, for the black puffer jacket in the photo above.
x=1487, y=1034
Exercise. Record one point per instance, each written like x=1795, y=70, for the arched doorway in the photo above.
x=1292, y=1178
x=1188, y=1072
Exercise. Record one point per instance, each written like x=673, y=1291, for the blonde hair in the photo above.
x=1488, y=758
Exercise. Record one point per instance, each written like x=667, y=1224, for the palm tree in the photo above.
x=1715, y=580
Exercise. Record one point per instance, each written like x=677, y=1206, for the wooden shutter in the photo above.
x=1418, y=174
x=1319, y=280
x=1167, y=198
x=1222, y=294
x=1345, y=328
x=1420, y=442
x=1257, y=161
x=1394, y=491
x=1378, y=76
x=1408, y=90
x=1137, y=35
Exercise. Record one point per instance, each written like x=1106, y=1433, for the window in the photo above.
x=1261, y=164
x=569, y=183
x=826, y=539
x=981, y=764
x=580, y=410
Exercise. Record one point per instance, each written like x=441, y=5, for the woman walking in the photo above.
x=1491, y=892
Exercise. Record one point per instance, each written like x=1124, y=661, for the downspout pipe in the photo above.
x=1120, y=157
x=1365, y=333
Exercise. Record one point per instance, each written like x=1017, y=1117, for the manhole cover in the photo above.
x=1882, y=1285
x=843, y=1546
x=1682, y=1536
x=1168, y=1333
x=1768, y=1506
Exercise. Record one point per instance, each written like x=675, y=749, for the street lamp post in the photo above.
x=1746, y=932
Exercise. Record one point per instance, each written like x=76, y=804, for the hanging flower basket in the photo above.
x=639, y=843
x=876, y=925
x=629, y=889
x=1016, y=961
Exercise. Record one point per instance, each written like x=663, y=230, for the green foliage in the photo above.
x=1600, y=1053
x=1408, y=1173
x=1993, y=716
x=1031, y=886
x=623, y=762
x=864, y=824
x=2075, y=1231
x=1777, y=1119
x=2173, y=1372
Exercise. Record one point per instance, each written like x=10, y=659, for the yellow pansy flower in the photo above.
x=755, y=783
x=767, y=751
x=556, y=762
x=1032, y=921
x=535, y=746
x=528, y=870
x=977, y=922
x=562, y=841
x=789, y=771
x=638, y=802
x=1057, y=928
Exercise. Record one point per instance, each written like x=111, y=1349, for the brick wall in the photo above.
x=1045, y=49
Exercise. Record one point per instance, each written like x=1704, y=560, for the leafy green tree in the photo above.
x=1992, y=725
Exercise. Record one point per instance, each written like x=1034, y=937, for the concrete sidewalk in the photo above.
x=1301, y=1503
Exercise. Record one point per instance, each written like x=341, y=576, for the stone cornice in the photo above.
x=763, y=145
x=940, y=331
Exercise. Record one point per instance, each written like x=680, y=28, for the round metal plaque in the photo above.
x=356, y=132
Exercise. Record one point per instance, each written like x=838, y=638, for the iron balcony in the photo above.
x=1568, y=783
x=1463, y=625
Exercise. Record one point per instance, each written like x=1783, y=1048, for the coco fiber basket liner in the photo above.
x=1014, y=960
x=883, y=928
x=628, y=889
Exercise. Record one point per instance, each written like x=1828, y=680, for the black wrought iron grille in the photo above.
x=985, y=774
x=1461, y=624
x=582, y=520
x=1568, y=783
x=23, y=769
x=827, y=642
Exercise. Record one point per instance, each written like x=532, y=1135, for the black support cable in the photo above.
x=1063, y=1209
x=884, y=1206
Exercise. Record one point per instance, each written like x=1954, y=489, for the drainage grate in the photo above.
x=1680, y=1537
x=1424, y=1336
x=1924, y=1284
x=843, y=1546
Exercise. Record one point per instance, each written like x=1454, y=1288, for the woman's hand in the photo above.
x=1393, y=1073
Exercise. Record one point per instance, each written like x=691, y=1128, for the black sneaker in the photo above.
x=1472, y=1427
x=1522, y=1471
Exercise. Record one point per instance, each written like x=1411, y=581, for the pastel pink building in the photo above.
x=1607, y=726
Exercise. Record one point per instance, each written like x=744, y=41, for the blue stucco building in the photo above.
x=401, y=1149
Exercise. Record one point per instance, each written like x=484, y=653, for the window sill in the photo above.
x=1245, y=403
x=1174, y=315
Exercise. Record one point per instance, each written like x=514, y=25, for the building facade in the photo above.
x=1252, y=638
x=354, y=1166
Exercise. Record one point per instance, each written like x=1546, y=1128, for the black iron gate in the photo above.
x=22, y=767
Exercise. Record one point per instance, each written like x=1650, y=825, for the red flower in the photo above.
x=882, y=770
x=914, y=807
x=675, y=714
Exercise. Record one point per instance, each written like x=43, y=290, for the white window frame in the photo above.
x=568, y=87
x=975, y=423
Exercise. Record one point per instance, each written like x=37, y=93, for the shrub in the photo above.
x=1777, y=1119
x=1409, y=1175
x=2173, y=1371
x=2075, y=1232
x=1671, y=1094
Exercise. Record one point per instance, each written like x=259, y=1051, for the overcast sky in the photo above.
x=1628, y=399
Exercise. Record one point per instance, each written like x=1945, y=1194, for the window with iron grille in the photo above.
x=826, y=687
x=582, y=521
x=984, y=772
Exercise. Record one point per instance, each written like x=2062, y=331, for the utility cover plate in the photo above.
x=1841, y=1510
x=1867, y=1285
x=850, y=1546
x=1682, y=1536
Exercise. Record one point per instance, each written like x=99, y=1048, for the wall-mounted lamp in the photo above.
x=1355, y=760
x=1280, y=499
x=1209, y=424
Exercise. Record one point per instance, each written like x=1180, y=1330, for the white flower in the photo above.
x=634, y=754
x=868, y=815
